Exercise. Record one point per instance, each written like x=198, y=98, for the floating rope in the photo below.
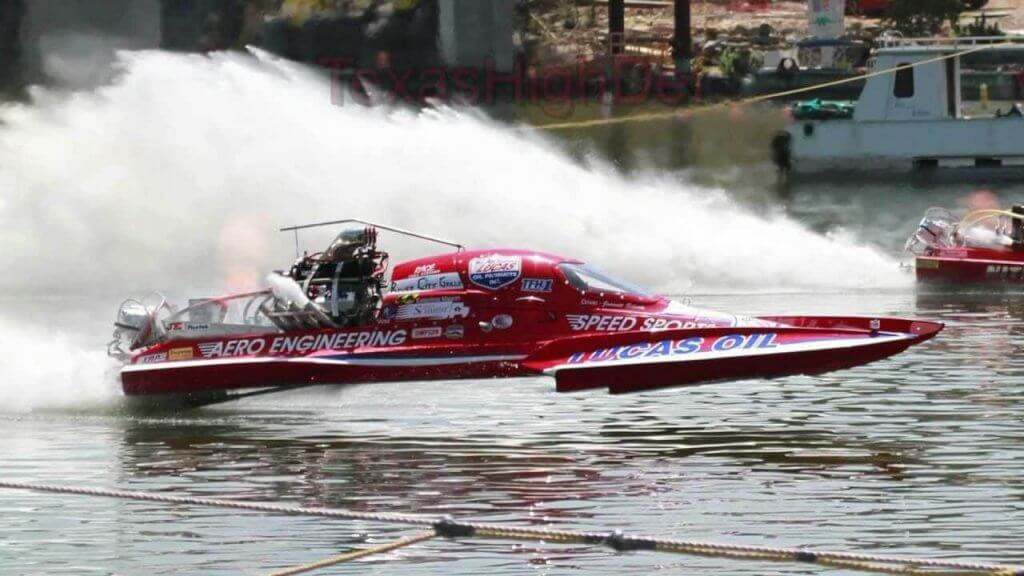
x=764, y=97
x=450, y=528
x=331, y=561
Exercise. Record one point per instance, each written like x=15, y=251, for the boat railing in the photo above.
x=952, y=44
x=247, y=301
x=402, y=231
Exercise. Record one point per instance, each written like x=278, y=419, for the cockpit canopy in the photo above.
x=585, y=278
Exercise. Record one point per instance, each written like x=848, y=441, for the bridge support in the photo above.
x=683, y=41
x=477, y=33
x=617, y=25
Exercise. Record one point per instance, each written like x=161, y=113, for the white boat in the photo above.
x=913, y=117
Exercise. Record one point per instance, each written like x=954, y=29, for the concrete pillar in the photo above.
x=683, y=36
x=617, y=25
x=200, y=25
x=477, y=33
x=73, y=42
x=11, y=12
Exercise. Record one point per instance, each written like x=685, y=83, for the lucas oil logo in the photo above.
x=495, y=271
x=669, y=348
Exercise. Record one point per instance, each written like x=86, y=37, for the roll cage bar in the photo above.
x=401, y=231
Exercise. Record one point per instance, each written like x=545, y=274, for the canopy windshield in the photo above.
x=585, y=278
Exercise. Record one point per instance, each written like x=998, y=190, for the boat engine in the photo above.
x=137, y=325
x=345, y=280
x=1017, y=227
x=937, y=228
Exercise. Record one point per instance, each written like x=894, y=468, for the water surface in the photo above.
x=920, y=454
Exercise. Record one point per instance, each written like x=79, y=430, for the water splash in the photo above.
x=47, y=368
x=177, y=175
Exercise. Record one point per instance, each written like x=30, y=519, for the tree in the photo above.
x=922, y=17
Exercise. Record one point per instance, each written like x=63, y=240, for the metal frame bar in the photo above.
x=402, y=231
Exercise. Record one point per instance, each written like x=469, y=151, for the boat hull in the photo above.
x=973, y=266
x=812, y=146
x=625, y=361
x=253, y=373
x=809, y=345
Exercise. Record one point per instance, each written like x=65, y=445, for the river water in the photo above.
x=921, y=454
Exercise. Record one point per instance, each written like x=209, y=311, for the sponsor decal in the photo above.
x=230, y=348
x=284, y=345
x=179, y=353
x=407, y=298
x=429, y=282
x=1006, y=272
x=495, y=271
x=187, y=326
x=454, y=332
x=432, y=310
x=152, y=358
x=536, y=284
x=501, y=321
x=424, y=269
x=430, y=332
x=926, y=263
x=670, y=348
x=611, y=323
x=589, y=302
x=655, y=324
x=601, y=323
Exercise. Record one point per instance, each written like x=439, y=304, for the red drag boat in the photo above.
x=983, y=246
x=469, y=314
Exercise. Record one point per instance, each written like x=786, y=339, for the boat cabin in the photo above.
x=909, y=114
x=916, y=91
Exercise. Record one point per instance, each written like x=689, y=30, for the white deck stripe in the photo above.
x=383, y=362
x=740, y=352
x=972, y=261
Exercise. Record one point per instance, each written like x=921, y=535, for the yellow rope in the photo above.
x=867, y=563
x=823, y=559
x=338, y=559
x=754, y=99
x=978, y=216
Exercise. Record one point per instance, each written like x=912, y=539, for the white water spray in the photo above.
x=177, y=175
x=189, y=163
x=44, y=367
